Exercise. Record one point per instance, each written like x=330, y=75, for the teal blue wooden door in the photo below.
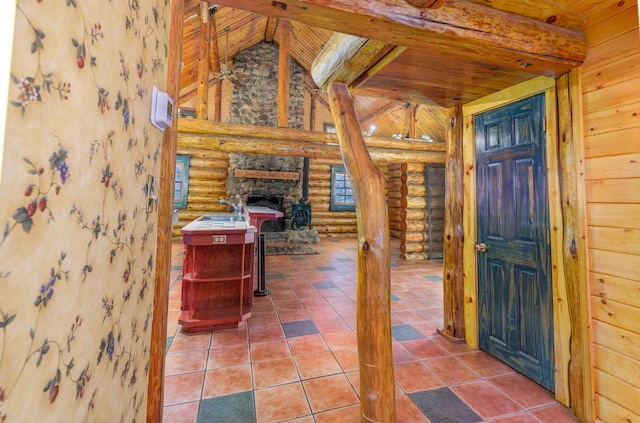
x=514, y=279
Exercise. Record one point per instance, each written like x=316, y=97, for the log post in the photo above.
x=214, y=66
x=203, y=62
x=284, y=61
x=574, y=247
x=453, y=289
x=373, y=310
x=155, y=385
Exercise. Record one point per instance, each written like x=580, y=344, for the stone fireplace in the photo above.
x=255, y=102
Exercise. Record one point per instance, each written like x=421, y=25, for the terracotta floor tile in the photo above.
x=414, y=377
x=274, y=372
x=307, y=344
x=335, y=324
x=292, y=315
x=232, y=355
x=518, y=418
x=265, y=332
x=408, y=412
x=450, y=370
x=424, y=348
x=229, y=337
x=329, y=392
x=485, y=399
x=349, y=414
x=523, y=391
x=281, y=403
x=181, y=413
x=451, y=347
x=348, y=359
x=185, y=362
x=228, y=380
x=337, y=340
x=269, y=350
x=400, y=353
x=182, y=388
x=188, y=342
x=555, y=414
x=485, y=365
x=317, y=364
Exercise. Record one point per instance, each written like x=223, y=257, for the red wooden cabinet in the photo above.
x=217, y=275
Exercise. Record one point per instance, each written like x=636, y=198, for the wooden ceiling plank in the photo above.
x=488, y=34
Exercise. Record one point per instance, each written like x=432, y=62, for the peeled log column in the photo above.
x=453, y=292
x=374, y=277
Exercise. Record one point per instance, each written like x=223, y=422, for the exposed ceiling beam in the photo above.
x=203, y=62
x=284, y=61
x=386, y=108
x=345, y=57
x=470, y=30
x=270, y=31
x=426, y=4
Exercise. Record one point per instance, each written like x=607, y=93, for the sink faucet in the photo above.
x=234, y=207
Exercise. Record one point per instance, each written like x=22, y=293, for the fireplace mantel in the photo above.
x=265, y=174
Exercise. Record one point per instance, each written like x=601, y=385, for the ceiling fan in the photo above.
x=226, y=71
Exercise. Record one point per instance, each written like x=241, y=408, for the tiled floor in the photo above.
x=296, y=360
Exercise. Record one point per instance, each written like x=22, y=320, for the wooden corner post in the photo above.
x=374, y=287
x=453, y=286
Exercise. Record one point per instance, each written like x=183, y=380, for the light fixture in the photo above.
x=370, y=132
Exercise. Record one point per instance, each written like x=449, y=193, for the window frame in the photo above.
x=333, y=205
x=182, y=177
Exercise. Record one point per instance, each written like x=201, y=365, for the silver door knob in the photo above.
x=481, y=248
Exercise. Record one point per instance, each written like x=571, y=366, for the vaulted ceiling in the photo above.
x=440, y=57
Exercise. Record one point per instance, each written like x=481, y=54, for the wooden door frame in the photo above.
x=562, y=301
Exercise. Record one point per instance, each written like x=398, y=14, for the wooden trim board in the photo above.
x=266, y=174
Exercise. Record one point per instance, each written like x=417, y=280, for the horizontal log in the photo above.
x=332, y=214
x=414, y=256
x=215, y=130
x=413, y=190
x=414, y=226
x=409, y=167
x=409, y=203
x=208, y=188
x=206, y=198
x=200, y=173
x=414, y=178
x=395, y=195
x=393, y=233
x=265, y=174
x=332, y=229
x=474, y=31
x=414, y=237
x=186, y=150
x=413, y=247
x=294, y=148
x=325, y=221
x=414, y=214
x=204, y=207
x=209, y=162
x=345, y=57
x=319, y=161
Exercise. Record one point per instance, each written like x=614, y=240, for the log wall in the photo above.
x=611, y=97
x=409, y=199
x=208, y=170
x=326, y=222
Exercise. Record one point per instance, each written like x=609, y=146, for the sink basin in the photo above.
x=218, y=218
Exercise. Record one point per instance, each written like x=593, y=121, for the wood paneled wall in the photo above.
x=611, y=96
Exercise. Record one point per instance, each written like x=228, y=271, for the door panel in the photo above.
x=514, y=281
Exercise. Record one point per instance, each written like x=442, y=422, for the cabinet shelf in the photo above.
x=217, y=281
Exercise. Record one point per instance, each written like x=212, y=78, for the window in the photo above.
x=329, y=127
x=181, y=182
x=341, y=193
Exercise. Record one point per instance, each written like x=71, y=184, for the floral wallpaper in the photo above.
x=78, y=215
